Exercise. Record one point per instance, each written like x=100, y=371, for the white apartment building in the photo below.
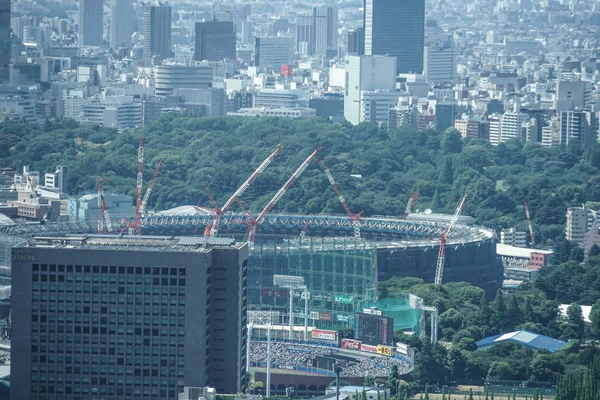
x=513, y=237
x=363, y=74
x=375, y=105
x=579, y=223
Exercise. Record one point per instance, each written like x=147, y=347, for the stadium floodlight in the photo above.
x=288, y=281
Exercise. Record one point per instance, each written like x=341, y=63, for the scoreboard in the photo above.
x=373, y=329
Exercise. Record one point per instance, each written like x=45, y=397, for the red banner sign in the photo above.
x=351, y=344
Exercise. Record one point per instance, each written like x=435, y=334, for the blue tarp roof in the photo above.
x=525, y=338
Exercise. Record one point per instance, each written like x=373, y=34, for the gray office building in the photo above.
x=396, y=28
x=215, y=41
x=121, y=23
x=157, y=30
x=4, y=41
x=127, y=318
x=91, y=27
x=325, y=28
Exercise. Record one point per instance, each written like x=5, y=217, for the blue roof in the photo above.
x=525, y=338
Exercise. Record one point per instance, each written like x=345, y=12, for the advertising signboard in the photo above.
x=343, y=298
x=384, y=350
x=351, y=344
x=368, y=348
x=323, y=334
x=401, y=348
x=274, y=292
x=325, y=316
x=373, y=329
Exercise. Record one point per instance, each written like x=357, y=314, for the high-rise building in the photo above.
x=439, y=64
x=157, y=30
x=304, y=35
x=273, y=52
x=578, y=125
x=366, y=73
x=579, y=222
x=127, y=317
x=396, y=28
x=325, y=26
x=4, y=41
x=445, y=114
x=573, y=95
x=121, y=23
x=215, y=41
x=91, y=27
x=356, y=41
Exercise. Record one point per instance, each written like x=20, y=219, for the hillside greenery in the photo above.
x=376, y=170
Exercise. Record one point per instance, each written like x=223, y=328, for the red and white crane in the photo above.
x=412, y=199
x=219, y=211
x=103, y=214
x=439, y=269
x=137, y=224
x=354, y=217
x=273, y=202
x=143, y=208
x=529, y=224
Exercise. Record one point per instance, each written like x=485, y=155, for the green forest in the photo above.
x=375, y=170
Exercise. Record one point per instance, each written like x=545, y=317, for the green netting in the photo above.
x=405, y=317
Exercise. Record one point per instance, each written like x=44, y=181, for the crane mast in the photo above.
x=149, y=190
x=439, y=269
x=140, y=180
x=273, y=202
x=411, y=203
x=354, y=217
x=100, y=216
x=529, y=224
x=219, y=211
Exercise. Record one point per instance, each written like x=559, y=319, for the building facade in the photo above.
x=171, y=77
x=215, y=41
x=366, y=73
x=512, y=237
x=325, y=25
x=4, y=41
x=90, y=22
x=128, y=318
x=273, y=52
x=579, y=222
x=396, y=28
x=121, y=23
x=157, y=31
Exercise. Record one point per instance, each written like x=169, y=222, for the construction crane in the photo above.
x=305, y=229
x=355, y=218
x=273, y=202
x=137, y=224
x=412, y=199
x=529, y=224
x=149, y=190
x=103, y=214
x=219, y=211
x=439, y=269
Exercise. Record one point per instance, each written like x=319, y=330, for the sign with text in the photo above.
x=368, y=348
x=325, y=316
x=351, y=344
x=384, y=350
x=274, y=292
x=323, y=334
x=343, y=298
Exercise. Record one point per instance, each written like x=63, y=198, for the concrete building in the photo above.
x=57, y=180
x=157, y=30
x=513, y=237
x=305, y=35
x=400, y=115
x=273, y=52
x=215, y=41
x=325, y=25
x=573, y=95
x=445, y=115
x=170, y=77
x=579, y=222
x=120, y=112
x=121, y=23
x=396, y=28
x=85, y=208
x=212, y=99
x=439, y=62
x=578, y=125
x=4, y=41
x=168, y=312
x=356, y=41
x=90, y=22
x=280, y=112
x=366, y=73
x=375, y=105
x=470, y=128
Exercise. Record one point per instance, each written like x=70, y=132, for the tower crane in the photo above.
x=137, y=224
x=273, y=202
x=219, y=211
x=439, y=269
x=354, y=217
x=529, y=224
x=103, y=214
x=412, y=199
x=149, y=190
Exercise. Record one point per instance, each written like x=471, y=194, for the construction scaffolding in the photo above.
x=339, y=273
x=406, y=318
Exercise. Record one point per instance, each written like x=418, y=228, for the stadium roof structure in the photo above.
x=525, y=338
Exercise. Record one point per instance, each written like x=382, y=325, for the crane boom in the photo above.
x=273, y=202
x=149, y=190
x=106, y=216
x=411, y=203
x=354, y=217
x=220, y=211
x=529, y=224
x=439, y=269
x=139, y=183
